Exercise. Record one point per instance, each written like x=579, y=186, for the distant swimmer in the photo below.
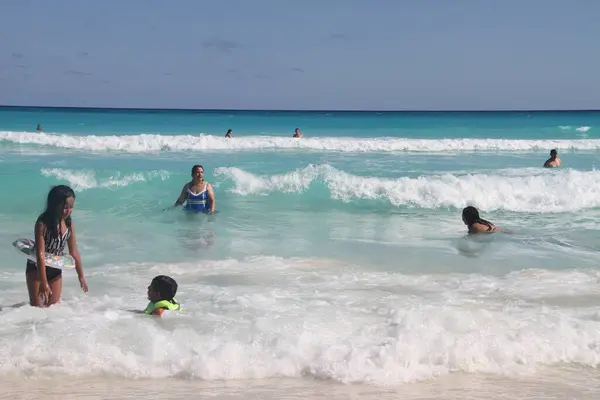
x=197, y=194
x=476, y=224
x=39, y=128
x=553, y=161
x=297, y=133
x=229, y=134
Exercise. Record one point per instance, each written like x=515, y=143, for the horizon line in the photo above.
x=523, y=110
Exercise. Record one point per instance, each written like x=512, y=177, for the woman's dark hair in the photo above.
x=196, y=167
x=471, y=216
x=55, y=205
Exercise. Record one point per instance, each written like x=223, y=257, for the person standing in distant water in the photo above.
x=39, y=128
x=476, y=224
x=297, y=133
x=197, y=194
x=553, y=161
x=229, y=134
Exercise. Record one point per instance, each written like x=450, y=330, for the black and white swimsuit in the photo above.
x=53, y=245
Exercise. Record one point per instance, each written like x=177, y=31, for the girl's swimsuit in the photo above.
x=53, y=245
x=482, y=222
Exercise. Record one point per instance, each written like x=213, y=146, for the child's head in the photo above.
x=60, y=202
x=162, y=287
x=470, y=215
x=59, y=205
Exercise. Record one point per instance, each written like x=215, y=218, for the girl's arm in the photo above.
x=74, y=251
x=40, y=245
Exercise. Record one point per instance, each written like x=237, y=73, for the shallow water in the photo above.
x=340, y=257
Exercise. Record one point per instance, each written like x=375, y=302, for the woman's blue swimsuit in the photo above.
x=197, y=202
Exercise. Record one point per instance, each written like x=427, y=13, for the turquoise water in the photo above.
x=340, y=255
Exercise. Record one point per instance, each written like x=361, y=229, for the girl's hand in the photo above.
x=45, y=293
x=83, y=284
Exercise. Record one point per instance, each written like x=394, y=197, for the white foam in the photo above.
x=86, y=179
x=156, y=143
x=268, y=317
x=579, y=129
x=531, y=190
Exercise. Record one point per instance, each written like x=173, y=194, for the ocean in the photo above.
x=337, y=265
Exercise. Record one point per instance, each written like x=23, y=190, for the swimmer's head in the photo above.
x=197, y=171
x=553, y=153
x=470, y=215
x=162, y=287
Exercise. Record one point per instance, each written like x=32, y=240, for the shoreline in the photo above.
x=550, y=384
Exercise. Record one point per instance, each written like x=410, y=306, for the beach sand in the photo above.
x=564, y=383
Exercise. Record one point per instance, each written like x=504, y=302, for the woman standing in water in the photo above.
x=53, y=230
x=198, y=194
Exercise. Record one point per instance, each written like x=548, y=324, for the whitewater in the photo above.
x=337, y=265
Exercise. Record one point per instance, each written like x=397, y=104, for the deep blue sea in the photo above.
x=339, y=256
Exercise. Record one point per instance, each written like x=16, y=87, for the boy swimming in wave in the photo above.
x=161, y=294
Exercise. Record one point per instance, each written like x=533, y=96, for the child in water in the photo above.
x=53, y=230
x=476, y=224
x=161, y=294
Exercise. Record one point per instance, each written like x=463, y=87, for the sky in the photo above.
x=325, y=54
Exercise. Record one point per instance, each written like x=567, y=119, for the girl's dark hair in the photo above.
x=57, y=197
x=471, y=216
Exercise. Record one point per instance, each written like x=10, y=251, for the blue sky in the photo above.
x=327, y=54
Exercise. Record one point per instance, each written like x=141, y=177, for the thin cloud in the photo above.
x=231, y=71
x=260, y=76
x=168, y=74
x=82, y=54
x=22, y=66
x=338, y=36
x=18, y=56
x=77, y=73
x=296, y=69
x=220, y=45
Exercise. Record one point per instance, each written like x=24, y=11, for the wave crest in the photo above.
x=81, y=180
x=522, y=190
x=156, y=143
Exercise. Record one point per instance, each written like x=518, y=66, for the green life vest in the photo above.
x=171, y=306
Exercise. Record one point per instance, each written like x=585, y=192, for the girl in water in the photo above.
x=53, y=230
x=476, y=224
